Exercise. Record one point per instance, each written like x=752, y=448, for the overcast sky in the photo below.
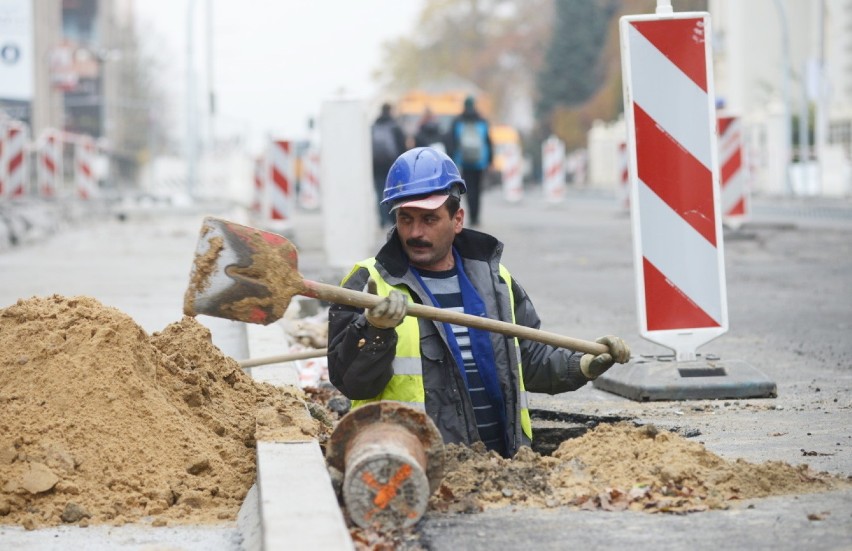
x=274, y=61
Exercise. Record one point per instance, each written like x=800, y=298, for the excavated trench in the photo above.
x=551, y=428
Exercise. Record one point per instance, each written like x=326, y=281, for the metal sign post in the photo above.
x=677, y=231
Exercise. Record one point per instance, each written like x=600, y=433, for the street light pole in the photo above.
x=785, y=87
x=191, y=126
x=211, y=94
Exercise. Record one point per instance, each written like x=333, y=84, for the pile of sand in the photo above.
x=103, y=423
x=616, y=467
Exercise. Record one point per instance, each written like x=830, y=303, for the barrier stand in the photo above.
x=3, y=147
x=677, y=230
x=512, y=176
x=257, y=189
x=309, y=186
x=14, y=166
x=736, y=204
x=623, y=177
x=49, y=172
x=278, y=189
x=553, y=169
x=85, y=181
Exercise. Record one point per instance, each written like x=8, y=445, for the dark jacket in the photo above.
x=428, y=134
x=360, y=355
x=382, y=166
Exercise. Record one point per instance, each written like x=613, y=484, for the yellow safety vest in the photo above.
x=406, y=384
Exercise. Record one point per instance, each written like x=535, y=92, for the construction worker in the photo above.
x=472, y=383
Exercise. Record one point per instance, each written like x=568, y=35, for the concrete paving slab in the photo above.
x=299, y=509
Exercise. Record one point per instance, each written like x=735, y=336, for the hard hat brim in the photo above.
x=431, y=202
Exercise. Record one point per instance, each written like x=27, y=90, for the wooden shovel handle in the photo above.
x=282, y=358
x=361, y=299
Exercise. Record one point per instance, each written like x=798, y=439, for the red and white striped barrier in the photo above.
x=14, y=168
x=678, y=248
x=259, y=184
x=623, y=177
x=553, y=169
x=280, y=171
x=512, y=173
x=736, y=200
x=309, y=186
x=85, y=181
x=49, y=163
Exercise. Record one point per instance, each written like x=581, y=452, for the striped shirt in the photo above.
x=445, y=288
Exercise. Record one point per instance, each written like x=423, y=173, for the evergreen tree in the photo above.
x=571, y=71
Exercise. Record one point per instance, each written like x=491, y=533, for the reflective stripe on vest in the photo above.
x=406, y=384
x=523, y=400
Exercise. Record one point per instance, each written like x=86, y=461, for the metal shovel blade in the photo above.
x=241, y=273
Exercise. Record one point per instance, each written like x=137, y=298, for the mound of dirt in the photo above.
x=103, y=423
x=616, y=467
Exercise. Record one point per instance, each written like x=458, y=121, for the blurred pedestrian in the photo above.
x=429, y=133
x=469, y=144
x=388, y=142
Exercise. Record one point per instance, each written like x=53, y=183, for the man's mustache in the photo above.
x=417, y=243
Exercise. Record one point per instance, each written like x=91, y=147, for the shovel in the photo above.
x=245, y=274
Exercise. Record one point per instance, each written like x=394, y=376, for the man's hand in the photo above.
x=390, y=311
x=592, y=366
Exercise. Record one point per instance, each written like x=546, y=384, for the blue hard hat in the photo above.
x=421, y=171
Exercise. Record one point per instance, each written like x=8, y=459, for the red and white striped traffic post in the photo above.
x=671, y=122
x=623, y=176
x=280, y=171
x=2, y=157
x=85, y=181
x=736, y=204
x=14, y=170
x=553, y=169
x=258, y=185
x=677, y=230
x=309, y=186
x=49, y=163
x=512, y=174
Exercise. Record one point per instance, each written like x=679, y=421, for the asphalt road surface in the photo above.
x=789, y=289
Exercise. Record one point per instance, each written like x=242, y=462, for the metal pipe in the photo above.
x=391, y=457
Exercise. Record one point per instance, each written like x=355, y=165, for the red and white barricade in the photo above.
x=281, y=175
x=85, y=180
x=258, y=187
x=678, y=248
x=623, y=177
x=14, y=167
x=49, y=163
x=736, y=200
x=553, y=169
x=512, y=173
x=309, y=186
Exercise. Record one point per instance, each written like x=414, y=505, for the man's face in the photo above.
x=427, y=236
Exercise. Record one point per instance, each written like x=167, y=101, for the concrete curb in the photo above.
x=297, y=505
